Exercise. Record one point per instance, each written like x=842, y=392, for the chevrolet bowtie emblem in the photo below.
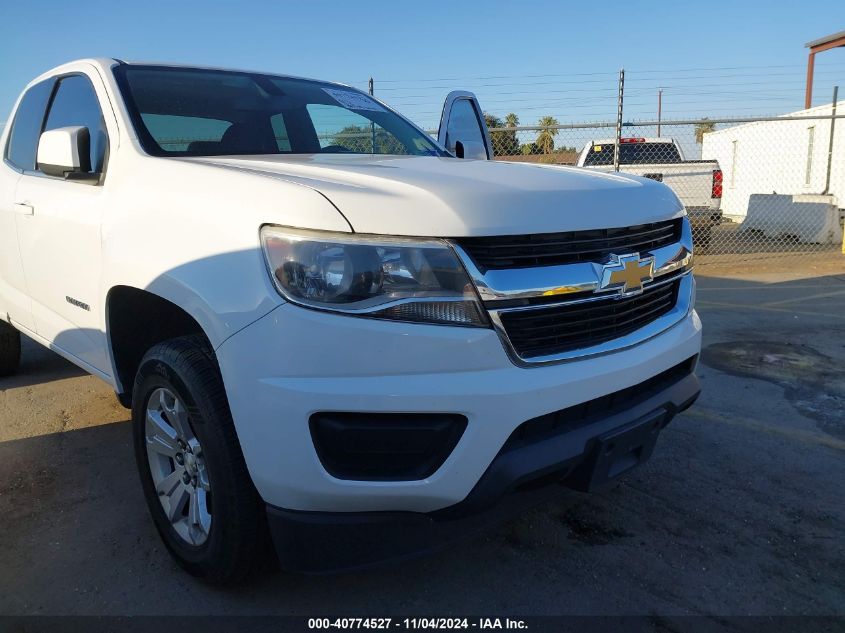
x=627, y=273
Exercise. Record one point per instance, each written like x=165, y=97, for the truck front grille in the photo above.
x=553, y=249
x=562, y=328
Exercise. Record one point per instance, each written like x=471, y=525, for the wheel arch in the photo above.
x=136, y=319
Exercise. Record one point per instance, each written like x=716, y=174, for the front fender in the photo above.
x=223, y=293
x=193, y=237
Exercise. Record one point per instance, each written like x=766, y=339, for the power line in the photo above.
x=477, y=78
x=661, y=82
x=634, y=74
x=592, y=73
x=711, y=97
x=782, y=93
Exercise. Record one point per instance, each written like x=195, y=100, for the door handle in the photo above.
x=21, y=208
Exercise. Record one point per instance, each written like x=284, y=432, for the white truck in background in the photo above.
x=698, y=183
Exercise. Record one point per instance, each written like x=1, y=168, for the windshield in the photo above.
x=633, y=153
x=198, y=112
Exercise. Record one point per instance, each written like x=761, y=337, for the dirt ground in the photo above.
x=740, y=510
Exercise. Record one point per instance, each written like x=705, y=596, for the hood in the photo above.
x=448, y=197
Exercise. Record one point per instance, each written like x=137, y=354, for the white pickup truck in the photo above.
x=698, y=183
x=328, y=328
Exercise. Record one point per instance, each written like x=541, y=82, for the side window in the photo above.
x=26, y=128
x=600, y=154
x=176, y=133
x=811, y=134
x=733, y=163
x=463, y=122
x=75, y=103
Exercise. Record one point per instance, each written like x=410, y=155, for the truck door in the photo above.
x=463, y=130
x=60, y=235
x=14, y=302
x=18, y=157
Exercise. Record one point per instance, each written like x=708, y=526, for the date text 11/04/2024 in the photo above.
x=416, y=623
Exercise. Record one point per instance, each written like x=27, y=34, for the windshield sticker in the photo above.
x=353, y=100
x=597, y=148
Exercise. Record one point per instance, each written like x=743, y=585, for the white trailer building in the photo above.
x=789, y=158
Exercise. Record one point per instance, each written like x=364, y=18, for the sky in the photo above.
x=534, y=58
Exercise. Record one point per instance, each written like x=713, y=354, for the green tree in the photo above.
x=546, y=138
x=359, y=139
x=497, y=137
x=492, y=120
x=528, y=149
x=510, y=142
x=703, y=128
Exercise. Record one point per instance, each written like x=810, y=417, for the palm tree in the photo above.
x=703, y=128
x=492, y=120
x=496, y=138
x=546, y=138
x=510, y=142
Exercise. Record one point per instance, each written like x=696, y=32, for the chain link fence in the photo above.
x=766, y=185
x=751, y=186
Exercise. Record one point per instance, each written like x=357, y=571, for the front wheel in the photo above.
x=193, y=473
x=10, y=349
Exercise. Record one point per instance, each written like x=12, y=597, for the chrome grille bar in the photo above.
x=556, y=313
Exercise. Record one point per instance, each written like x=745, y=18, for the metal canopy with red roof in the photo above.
x=817, y=46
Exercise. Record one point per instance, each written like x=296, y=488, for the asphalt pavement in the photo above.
x=741, y=509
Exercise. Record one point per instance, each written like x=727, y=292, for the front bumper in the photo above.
x=525, y=473
x=295, y=362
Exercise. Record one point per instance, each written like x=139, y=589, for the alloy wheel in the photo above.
x=178, y=467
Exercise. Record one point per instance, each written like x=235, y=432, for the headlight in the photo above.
x=404, y=279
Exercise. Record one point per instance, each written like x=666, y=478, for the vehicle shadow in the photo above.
x=39, y=365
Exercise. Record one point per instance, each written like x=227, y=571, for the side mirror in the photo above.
x=470, y=149
x=66, y=153
x=463, y=130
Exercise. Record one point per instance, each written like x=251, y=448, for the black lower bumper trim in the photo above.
x=331, y=542
x=517, y=479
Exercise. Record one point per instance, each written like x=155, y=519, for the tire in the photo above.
x=10, y=349
x=219, y=533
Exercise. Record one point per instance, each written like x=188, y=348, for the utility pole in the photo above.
x=830, y=144
x=619, y=120
x=659, y=108
x=372, y=124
